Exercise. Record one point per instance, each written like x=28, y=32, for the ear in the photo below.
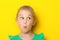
x=34, y=22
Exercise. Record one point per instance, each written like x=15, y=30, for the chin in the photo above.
x=25, y=31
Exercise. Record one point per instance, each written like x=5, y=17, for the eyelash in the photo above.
x=27, y=18
x=21, y=17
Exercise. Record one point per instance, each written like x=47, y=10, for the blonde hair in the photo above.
x=26, y=8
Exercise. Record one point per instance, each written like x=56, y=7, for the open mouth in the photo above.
x=25, y=26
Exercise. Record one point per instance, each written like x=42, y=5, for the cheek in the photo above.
x=30, y=23
x=20, y=22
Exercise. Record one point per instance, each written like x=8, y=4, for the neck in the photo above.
x=27, y=34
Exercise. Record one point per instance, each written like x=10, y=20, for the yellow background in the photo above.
x=47, y=12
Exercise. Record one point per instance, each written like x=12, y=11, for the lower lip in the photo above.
x=25, y=26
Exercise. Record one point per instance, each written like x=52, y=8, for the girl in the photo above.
x=26, y=20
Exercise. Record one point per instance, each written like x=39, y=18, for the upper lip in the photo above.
x=25, y=26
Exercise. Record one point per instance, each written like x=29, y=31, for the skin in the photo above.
x=26, y=20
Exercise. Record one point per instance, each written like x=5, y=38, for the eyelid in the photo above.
x=29, y=17
x=21, y=17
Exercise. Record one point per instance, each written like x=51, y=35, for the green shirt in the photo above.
x=36, y=37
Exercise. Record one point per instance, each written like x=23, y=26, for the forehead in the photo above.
x=25, y=12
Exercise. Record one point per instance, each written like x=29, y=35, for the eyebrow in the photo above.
x=30, y=15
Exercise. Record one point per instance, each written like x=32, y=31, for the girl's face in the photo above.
x=25, y=20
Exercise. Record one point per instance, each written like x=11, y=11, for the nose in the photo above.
x=25, y=21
